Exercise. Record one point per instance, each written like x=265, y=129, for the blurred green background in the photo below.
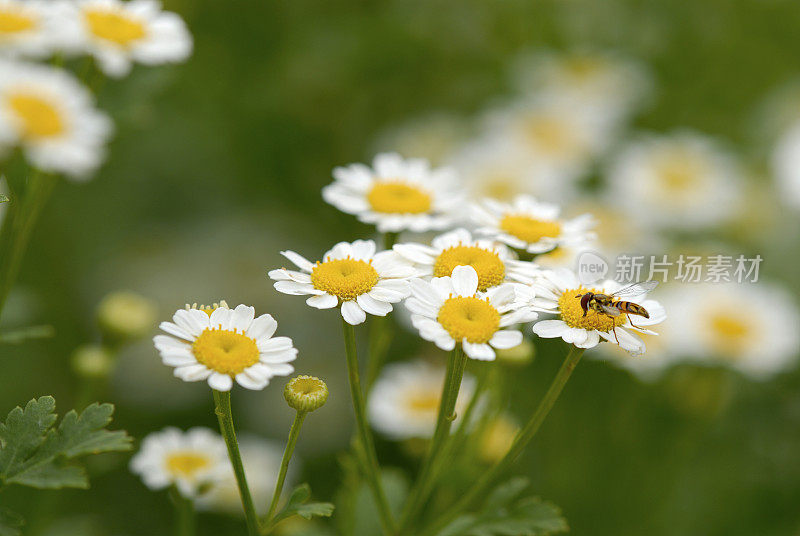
x=217, y=165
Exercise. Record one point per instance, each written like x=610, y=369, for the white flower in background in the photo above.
x=34, y=28
x=52, y=117
x=396, y=194
x=118, y=33
x=786, y=166
x=225, y=344
x=431, y=137
x=661, y=354
x=493, y=262
x=352, y=276
x=601, y=80
x=450, y=310
x=499, y=168
x=189, y=460
x=529, y=225
x=559, y=292
x=262, y=461
x=683, y=180
x=751, y=327
x=404, y=402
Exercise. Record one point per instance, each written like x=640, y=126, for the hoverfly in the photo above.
x=611, y=305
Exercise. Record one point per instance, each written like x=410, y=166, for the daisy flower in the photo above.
x=52, y=117
x=751, y=327
x=189, y=460
x=404, y=402
x=119, y=33
x=396, y=194
x=450, y=310
x=33, y=28
x=529, y=225
x=494, y=263
x=225, y=344
x=351, y=275
x=559, y=292
x=682, y=180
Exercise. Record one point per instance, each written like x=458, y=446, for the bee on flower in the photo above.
x=47, y=113
x=221, y=345
x=529, y=225
x=404, y=402
x=191, y=461
x=451, y=310
x=351, y=276
x=583, y=321
x=396, y=194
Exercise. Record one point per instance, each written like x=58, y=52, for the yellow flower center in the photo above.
x=344, y=278
x=469, y=318
x=13, y=21
x=115, y=26
x=727, y=332
x=549, y=134
x=38, y=117
x=225, y=351
x=585, y=68
x=529, y=229
x=491, y=270
x=187, y=463
x=569, y=306
x=395, y=197
x=423, y=401
x=680, y=173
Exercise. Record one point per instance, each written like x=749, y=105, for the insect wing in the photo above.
x=610, y=311
x=636, y=289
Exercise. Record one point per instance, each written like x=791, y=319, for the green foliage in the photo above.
x=298, y=505
x=507, y=514
x=10, y=523
x=35, y=453
x=21, y=335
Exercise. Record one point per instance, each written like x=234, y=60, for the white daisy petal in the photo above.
x=352, y=313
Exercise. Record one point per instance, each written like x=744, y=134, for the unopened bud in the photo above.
x=126, y=315
x=92, y=361
x=306, y=393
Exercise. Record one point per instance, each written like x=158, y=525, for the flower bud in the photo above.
x=519, y=355
x=306, y=393
x=92, y=361
x=497, y=438
x=126, y=315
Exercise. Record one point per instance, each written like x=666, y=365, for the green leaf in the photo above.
x=10, y=522
x=504, y=514
x=34, y=453
x=298, y=505
x=21, y=335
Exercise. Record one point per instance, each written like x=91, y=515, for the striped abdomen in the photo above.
x=631, y=308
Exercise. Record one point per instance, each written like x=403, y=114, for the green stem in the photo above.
x=381, y=333
x=185, y=522
x=444, y=421
x=20, y=219
x=222, y=399
x=294, y=433
x=371, y=470
x=524, y=437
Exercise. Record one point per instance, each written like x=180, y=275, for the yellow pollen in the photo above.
x=38, y=117
x=491, y=270
x=12, y=21
x=186, y=463
x=208, y=309
x=344, y=278
x=396, y=197
x=114, y=26
x=469, y=318
x=423, y=401
x=225, y=351
x=529, y=229
x=728, y=332
x=569, y=306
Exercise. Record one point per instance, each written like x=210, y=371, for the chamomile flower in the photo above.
x=225, y=345
x=190, y=460
x=404, y=402
x=751, y=327
x=118, y=33
x=396, y=194
x=33, y=28
x=52, y=117
x=529, y=225
x=559, y=292
x=493, y=262
x=351, y=276
x=450, y=310
x=683, y=180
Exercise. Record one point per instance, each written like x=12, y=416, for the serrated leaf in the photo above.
x=44, y=458
x=298, y=505
x=10, y=522
x=21, y=335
